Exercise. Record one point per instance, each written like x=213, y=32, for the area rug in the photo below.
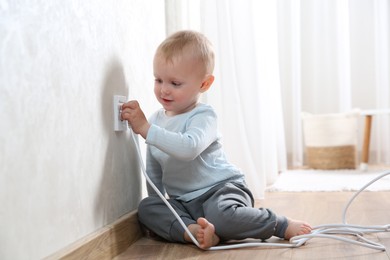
x=325, y=180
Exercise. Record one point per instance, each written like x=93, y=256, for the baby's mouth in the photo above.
x=166, y=100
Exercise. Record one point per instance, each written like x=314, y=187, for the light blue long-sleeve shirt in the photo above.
x=184, y=154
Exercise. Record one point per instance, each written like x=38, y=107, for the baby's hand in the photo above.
x=132, y=112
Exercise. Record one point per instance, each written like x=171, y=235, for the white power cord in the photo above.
x=330, y=231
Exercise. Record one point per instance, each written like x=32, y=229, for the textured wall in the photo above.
x=63, y=171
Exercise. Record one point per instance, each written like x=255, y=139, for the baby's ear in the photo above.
x=207, y=82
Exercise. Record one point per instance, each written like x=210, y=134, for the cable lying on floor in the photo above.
x=330, y=231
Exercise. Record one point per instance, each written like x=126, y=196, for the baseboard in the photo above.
x=105, y=243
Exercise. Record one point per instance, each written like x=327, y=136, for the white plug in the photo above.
x=119, y=124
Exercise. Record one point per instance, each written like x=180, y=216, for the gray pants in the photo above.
x=229, y=207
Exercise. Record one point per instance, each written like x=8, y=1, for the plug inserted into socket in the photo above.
x=119, y=124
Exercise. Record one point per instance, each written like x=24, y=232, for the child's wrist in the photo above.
x=145, y=130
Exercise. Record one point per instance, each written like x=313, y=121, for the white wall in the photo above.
x=64, y=173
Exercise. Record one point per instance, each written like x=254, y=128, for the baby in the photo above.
x=185, y=159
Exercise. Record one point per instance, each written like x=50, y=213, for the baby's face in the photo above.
x=178, y=83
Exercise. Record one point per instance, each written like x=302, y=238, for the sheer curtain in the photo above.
x=246, y=92
x=276, y=59
x=335, y=57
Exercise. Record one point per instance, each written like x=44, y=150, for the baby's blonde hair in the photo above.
x=188, y=41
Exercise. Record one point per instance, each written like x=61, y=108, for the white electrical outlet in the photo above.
x=119, y=125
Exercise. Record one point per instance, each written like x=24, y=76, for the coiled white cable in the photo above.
x=329, y=231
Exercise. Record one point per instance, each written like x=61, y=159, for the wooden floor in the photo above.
x=314, y=207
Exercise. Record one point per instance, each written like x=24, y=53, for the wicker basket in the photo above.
x=330, y=140
x=331, y=158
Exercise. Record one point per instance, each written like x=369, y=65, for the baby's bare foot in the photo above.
x=206, y=234
x=296, y=228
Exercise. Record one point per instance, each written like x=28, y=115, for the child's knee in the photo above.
x=146, y=202
x=146, y=206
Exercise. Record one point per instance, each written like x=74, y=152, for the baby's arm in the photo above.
x=200, y=133
x=132, y=112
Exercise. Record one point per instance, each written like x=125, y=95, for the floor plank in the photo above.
x=315, y=207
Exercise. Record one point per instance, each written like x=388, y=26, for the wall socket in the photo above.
x=119, y=125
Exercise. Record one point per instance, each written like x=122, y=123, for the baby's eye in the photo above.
x=176, y=84
x=158, y=81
